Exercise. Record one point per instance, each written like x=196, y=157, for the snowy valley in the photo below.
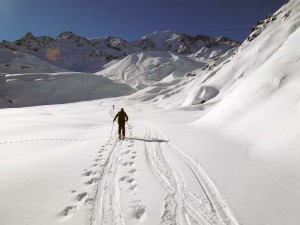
x=212, y=136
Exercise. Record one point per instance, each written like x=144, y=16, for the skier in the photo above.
x=122, y=119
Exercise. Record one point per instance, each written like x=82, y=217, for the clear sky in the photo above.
x=132, y=19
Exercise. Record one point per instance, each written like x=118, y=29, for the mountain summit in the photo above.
x=89, y=55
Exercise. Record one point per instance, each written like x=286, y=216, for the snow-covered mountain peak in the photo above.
x=181, y=43
x=218, y=144
x=116, y=43
x=66, y=35
x=160, y=35
x=28, y=36
x=81, y=54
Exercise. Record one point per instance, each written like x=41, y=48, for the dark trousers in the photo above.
x=121, y=129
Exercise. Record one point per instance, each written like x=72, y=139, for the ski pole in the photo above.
x=129, y=129
x=112, y=129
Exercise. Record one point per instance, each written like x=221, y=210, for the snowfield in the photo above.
x=70, y=169
x=217, y=146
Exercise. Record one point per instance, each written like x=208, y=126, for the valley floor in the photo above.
x=63, y=164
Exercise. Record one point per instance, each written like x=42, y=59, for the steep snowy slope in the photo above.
x=146, y=69
x=250, y=103
x=218, y=146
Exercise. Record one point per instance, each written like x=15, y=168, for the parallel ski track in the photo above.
x=181, y=205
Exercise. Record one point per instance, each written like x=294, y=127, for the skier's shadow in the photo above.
x=147, y=140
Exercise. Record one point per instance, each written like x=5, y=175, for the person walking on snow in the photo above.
x=122, y=119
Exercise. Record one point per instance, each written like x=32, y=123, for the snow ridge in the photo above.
x=72, y=52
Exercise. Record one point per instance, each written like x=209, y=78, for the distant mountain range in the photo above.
x=72, y=52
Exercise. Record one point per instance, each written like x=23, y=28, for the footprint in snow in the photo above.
x=132, y=171
x=133, y=187
x=128, y=151
x=89, y=201
x=128, y=164
x=81, y=196
x=130, y=180
x=68, y=211
x=88, y=173
x=138, y=211
x=123, y=178
x=91, y=181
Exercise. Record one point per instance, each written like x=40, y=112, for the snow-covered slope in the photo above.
x=28, y=81
x=76, y=53
x=30, y=89
x=18, y=62
x=181, y=43
x=219, y=146
x=146, y=69
x=169, y=55
x=251, y=103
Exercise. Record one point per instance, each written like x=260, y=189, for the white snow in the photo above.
x=146, y=69
x=220, y=146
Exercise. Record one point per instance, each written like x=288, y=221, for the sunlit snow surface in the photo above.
x=221, y=147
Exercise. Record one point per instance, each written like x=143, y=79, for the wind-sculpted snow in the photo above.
x=146, y=69
x=208, y=141
x=260, y=68
x=269, y=54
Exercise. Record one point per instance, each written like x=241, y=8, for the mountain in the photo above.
x=26, y=80
x=75, y=53
x=217, y=145
x=140, y=70
x=19, y=62
x=246, y=112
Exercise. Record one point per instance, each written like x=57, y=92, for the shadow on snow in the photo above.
x=147, y=140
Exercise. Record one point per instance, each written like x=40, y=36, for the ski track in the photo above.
x=180, y=205
x=106, y=207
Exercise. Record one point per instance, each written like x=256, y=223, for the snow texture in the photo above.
x=208, y=141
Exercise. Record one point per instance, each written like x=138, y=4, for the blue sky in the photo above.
x=132, y=19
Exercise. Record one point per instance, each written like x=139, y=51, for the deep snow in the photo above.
x=220, y=147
